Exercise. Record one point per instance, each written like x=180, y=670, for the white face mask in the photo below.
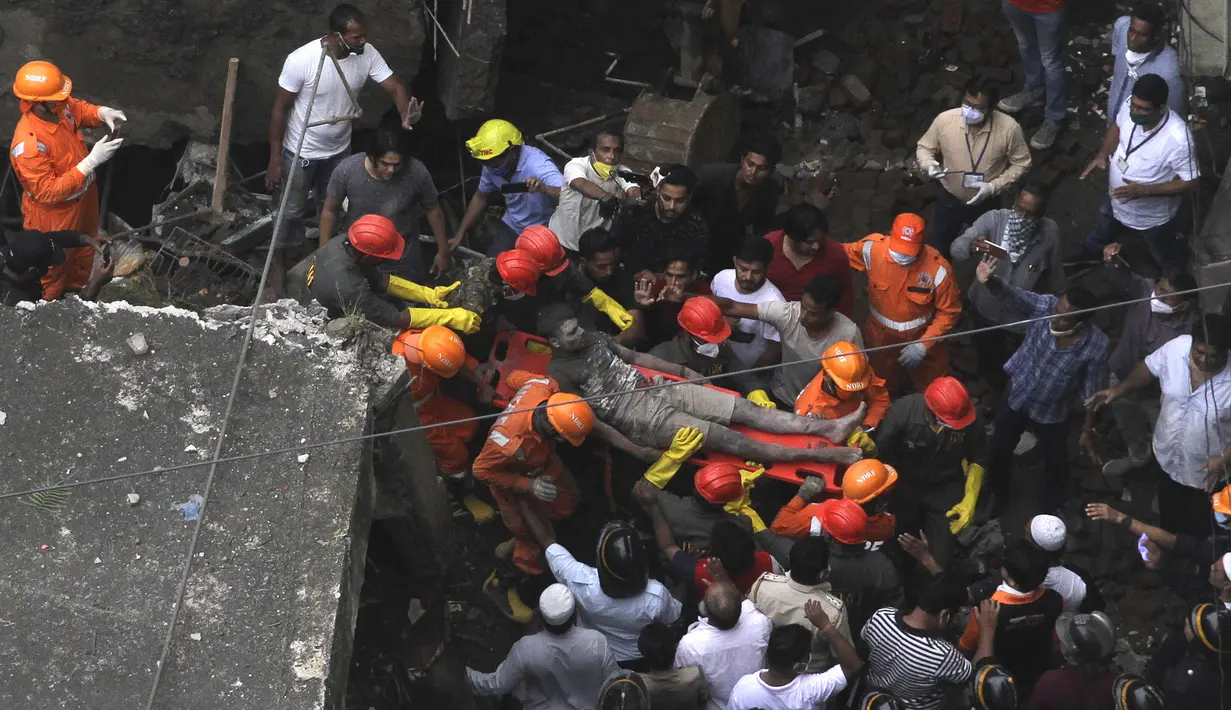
x=902, y=259
x=1157, y=305
x=706, y=349
x=1135, y=58
x=971, y=115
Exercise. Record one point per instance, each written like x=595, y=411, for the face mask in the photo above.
x=1157, y=305
x=603, y=169
x=1063, y=333
x=1143, y=119
x=349, y=50
x=972, y=115
x=706, y=349
x=1135, y=58
x=56, y=107
x=902, y=259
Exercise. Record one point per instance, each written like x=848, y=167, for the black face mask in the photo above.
x=348, y=50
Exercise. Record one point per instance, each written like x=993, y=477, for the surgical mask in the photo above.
x=603, y=169
x=706, y=349
x=1143, y=119
x=1135, y=58
x=1158, y=306
x=1222, y=518
x=972, y=115
x=902, y=259
x=1062, y=333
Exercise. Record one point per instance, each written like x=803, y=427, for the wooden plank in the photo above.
x=224, y=138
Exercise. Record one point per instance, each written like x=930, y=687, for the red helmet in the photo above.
x=719, y=483
x=702, y=317
x=376, y=236
x=950, y=402
x=519, y=270
x=543, y=244
x=845, y=521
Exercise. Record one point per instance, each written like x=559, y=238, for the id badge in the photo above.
x=1122, y=164
x=969, y=180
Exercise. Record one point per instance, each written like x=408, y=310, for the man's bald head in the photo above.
x=722, y=606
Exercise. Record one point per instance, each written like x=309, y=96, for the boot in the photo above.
x=502, y=590
x=466, y=505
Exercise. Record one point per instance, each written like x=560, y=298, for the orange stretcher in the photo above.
x=515, y=350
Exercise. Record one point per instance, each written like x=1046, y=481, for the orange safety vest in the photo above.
x=514, y=453
x=904, y=299
x=45, y=157
x=814, y=401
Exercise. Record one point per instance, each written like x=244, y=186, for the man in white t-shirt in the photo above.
x=592, y=191
x=1148, y=153
x=748, y=283
x=327, y=144
x=782, y=686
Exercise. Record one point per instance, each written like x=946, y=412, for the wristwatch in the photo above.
x=1126, y=522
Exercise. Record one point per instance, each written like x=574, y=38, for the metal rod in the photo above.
x=581, y=124
x=628, y=82
x=108, y=181
x=429, y=239
x=224, y=137
x=353, y=94
x=442, y=31
x=336, y=119
x=153, y=225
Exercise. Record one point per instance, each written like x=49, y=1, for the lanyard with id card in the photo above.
x=971, y=179
x=1122, y=162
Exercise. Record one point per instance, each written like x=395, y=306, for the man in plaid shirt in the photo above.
x=1060, y=357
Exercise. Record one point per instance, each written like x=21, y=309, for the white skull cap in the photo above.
x=1048, y=532
x=556, y=604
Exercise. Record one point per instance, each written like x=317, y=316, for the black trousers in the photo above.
x=949, y=216
x=1054, y=443
x=923, y=506
x=1183, y=509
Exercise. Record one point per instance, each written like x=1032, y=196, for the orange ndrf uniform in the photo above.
x=57, y=195
x=795, y=521
x=814, y=401
x=513, y=456
x=906, y=303
x=449, y=441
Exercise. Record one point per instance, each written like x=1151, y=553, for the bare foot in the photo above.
x=839, y=454
x=842, y=427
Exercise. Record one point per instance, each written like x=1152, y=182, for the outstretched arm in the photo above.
x=650, y=362
x=614, y=437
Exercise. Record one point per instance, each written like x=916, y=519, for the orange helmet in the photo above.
x=435, y=347
x=41, y=81
x=519, y=269
x=570, y=416
x=703, y=318
x=907, y=234
x=376, y=236
x=543, y=244
x=847, y=366
x=845, y=521
x=950, y=402
x=866, y=479
x=1222, y=501
x=719, y=483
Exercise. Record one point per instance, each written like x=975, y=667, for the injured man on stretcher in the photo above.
x=643, y=421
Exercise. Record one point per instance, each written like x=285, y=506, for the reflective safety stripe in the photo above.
x=89, y=180
x=814, y=527
x=499, y=438
x=941, y=273
x=899, y=325
x=20, y=150
x=425, y=400
x=867, y=255
x=312, y=272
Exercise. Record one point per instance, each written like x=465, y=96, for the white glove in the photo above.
x=543, y=489
x=985, y=191
x=912, y=355
x=99, y=154
x=112, y=117
x=932, y=168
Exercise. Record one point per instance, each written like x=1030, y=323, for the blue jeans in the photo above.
x=1166, y=251
x=1040, y=40
x=312, y=176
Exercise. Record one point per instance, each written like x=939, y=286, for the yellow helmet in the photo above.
x=494, y=137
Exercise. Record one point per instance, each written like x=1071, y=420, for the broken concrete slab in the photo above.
x=769, y=60
x=468, y=79
x=854, y=88
x=274, y=587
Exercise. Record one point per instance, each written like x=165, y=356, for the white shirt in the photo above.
x=1159, y=156
x=553, y=672
x=620, y=620
x=1068, y=585
x=1192, y=427
x=299, y=75
x=807, y=692
x=723, y=286
x=576, y=213
x=726, y=656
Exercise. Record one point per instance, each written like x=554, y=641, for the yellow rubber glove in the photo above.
x=411, y=291
x=961, y=514
x=686, y=442
x=860, y=438
x=600, y=300
x=761, y=399
x=458, y=319
x=743, y=506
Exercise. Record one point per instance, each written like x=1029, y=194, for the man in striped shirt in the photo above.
x=909, y=658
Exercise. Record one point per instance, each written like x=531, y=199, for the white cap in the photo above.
x=556, y=604
x=1048, y=532
x=1226, y=564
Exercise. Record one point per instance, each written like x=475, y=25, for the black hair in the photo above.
x=595, y=240
x=788, y=645
x=940, y=594
x=767, y=147
x=343, y=15
x=733, y=546
x=680, y=254
x=824, y=290
x=1081, y=299
x=1153, y=15
x=756, y=250
x=1152, y=88
x=681, y=175
x=979, y=85
x=657, y=644
x=1036, y=187
x=1214, y=329
x=809, y=560
x=389, y=139
x=551, y=316
x=800, y=221
x=1027, y=564
x=612, y=130
x=1181, y=280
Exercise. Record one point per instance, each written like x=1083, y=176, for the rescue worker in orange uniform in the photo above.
x=433, y=353
x=912, y=295
x=802, y=517
x=54, y=167
x=519, y=460
x=862, y=484
x=844, y=382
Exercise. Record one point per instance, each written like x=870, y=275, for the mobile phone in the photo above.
x=996, y=250
x=512, y=188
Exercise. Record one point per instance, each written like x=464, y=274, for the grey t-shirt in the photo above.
x=797, y=345
x=400, y=199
